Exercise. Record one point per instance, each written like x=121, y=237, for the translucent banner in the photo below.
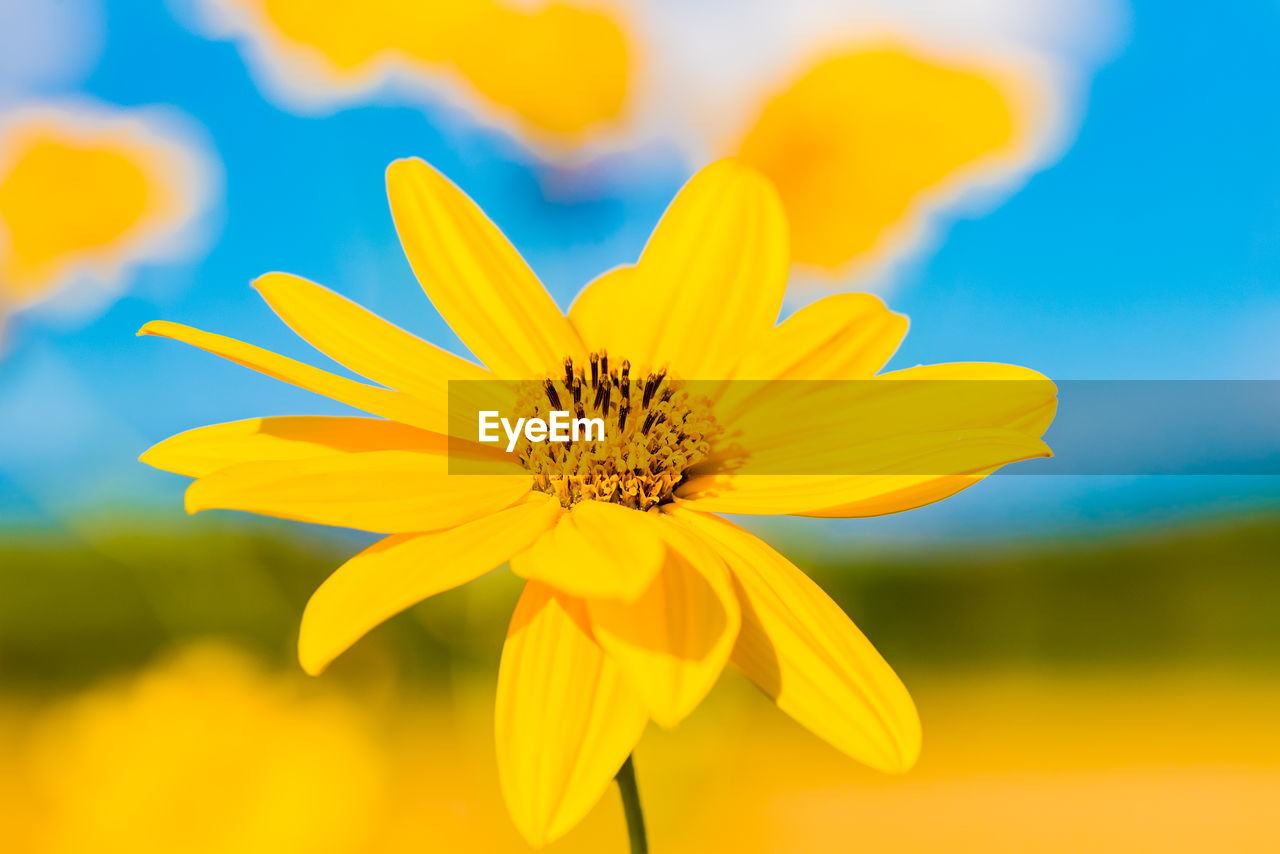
x=651, y=426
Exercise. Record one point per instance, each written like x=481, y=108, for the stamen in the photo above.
x=550, y=388
x=657, y=380
x=639, y=463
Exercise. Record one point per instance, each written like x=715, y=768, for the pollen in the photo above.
x=655, y=431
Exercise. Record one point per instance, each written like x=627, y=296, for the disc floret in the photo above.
x=655, y=431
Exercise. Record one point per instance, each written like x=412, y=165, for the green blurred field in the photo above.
x=1117, y=695
x=76, y=607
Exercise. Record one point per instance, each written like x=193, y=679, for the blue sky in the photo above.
x=1150, y=250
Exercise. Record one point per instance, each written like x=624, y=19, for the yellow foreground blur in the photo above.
x=208, y=751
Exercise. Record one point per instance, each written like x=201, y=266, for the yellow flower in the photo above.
x=637, y=594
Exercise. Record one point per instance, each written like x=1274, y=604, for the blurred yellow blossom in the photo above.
x=204, y=753
x=1050, y=763
x=558, y=69
x=877, y=120
x=861, y=141
x=86, y=193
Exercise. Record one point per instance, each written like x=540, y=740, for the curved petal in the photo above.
x=836, y=450
x=896, y=494
x=475, y=278
x=602, y=313
x=712, y=276
x=365, y=343
x=785, y=419
x=675, y=639
x=402, y=570
x=389, y=492
x=908, y=461
x=1030, y=409
x=803, y=651
x=204, y=450
x=377, y=401
x=597, y=550
x=840, y=337
x=961, y=397
x=565, y=717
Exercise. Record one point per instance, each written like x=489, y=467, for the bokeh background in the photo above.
x=1087, y=188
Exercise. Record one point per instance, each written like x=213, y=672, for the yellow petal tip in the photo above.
x=665, y=721
x=191, y=499
x=267, y=280
x=311, y=665
x=400, y=164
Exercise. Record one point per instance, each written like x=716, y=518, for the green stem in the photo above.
x=631, y=806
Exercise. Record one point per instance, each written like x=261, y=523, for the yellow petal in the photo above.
x=597, y=550
x=873, y=446
x=364, y=342
x=402, y=570
x=204, y=450
x=828, y=416
x=906, y=492
x=378, y=401
x=389, y=492
x=1030, y=406
x=894, y=494
x=712, y=276
x=674, y=640
x=566, y=718
x=962, y=450
x=475, y=278
x=602, y=312
x=803, y=651
x=910, y=460
x=840, y=337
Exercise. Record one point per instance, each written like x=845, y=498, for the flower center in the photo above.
x=654, y=431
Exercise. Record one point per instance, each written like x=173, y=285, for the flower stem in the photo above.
x=631, y=807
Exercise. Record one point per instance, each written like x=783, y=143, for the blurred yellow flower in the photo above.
x=559, y=69
x=205, y=753
x=876, y=119
x=84, y=194
x=627, y=615
x=861, y=141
